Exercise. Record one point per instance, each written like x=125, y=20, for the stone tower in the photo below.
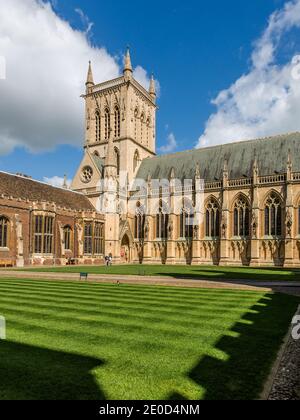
x=120, y=132
x=121, y=110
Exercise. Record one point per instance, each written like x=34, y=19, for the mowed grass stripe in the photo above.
x=161, y=329
x=137, y=342
x=148, y=314
x=152, y=290
x=123, y=302
x=157, y=292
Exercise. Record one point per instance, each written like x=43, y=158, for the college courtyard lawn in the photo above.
x=188, y=272
x=78, y=340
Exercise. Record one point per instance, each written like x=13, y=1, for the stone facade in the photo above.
x=240, y=207
x=234, y=204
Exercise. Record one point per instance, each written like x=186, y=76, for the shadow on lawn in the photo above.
x=250, y=355
x=33, y=373
x=216, y=273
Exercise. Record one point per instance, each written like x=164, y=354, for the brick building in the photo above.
x=44, y=225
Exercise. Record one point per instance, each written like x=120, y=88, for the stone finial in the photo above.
x=65, y=184
x=197, y=172
x=90, y=79
x=127, y=65
x=289, y=166
x=225, y=173
x=255, y=169
x=152, y=88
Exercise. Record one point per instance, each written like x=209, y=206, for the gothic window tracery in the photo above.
x=212, y=221
x=273, y=216
x=241, y=218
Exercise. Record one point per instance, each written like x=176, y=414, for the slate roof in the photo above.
x=25, y=188
x=272, y=155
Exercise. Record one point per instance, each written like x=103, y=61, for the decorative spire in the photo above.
x=90, y=80
x=255, y=168
x=289, y=161
x=225, y=168
x=65, y=184
x=225, y=173
x=197, y=172
x=289, y=166
x=152, y=88
x=127, y=65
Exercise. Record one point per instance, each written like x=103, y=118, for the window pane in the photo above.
x=3, y=232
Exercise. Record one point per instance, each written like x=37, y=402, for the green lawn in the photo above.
x=190, y=272
x=92, y=341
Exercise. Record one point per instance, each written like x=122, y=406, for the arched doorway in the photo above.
x=125, y=250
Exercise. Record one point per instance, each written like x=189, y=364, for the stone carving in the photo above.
x=288, y=223
x=196, y=232
x=224, y=228
x=254, y=226
x=147, y=230
x=170, y=229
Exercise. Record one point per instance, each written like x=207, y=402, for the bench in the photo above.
x=6, y=263
x=84, y=276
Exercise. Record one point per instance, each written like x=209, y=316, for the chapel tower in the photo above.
x=124, y=112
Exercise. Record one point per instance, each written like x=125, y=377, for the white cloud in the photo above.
x=141, y=75
x=170, y=146
x=85, y=20
x=57, y=181
x=47, y=61
x=266, y=100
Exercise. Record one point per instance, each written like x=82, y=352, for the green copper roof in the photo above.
x=272, y=156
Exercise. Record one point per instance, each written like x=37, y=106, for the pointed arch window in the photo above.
x=4, y=223
x=142, y=127
x=148, y=130
x=117, y=153
x=162, y=222
x=136, y=160
x=273, y=216
x=212, y=225
x=140, y=218
x=98, y=126
x=187, y=222
x=107, y=123
x=241, y=218
x=136, y=114
x=117, y=122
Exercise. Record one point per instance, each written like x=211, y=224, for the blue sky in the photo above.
x=195, y=48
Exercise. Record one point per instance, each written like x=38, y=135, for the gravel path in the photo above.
x=286, y=385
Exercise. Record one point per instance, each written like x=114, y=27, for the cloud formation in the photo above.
x=265, y=101
x=46, y=66
x=141, y=75
x=170, y=146
x=57, y=181
x=46, y=63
